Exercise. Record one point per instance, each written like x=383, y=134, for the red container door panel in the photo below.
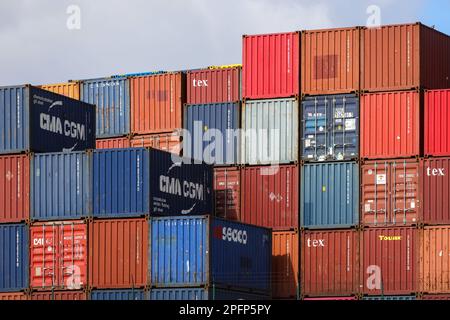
x=44, y=257
x=375, y=193
x=437, y=123
x=227, y=186
x=405, y=192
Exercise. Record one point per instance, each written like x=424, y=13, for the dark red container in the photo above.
x=435, y=174
x=59, y=295
x=112, y=143
x=118, y=253
x=271, y=65
x=14, y=188
x=437, y=123
x=227, y=192
x=269, y=196
x=329, y=263
x=389, y=264
x=213, y=85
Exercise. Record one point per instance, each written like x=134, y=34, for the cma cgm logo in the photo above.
x=67, y=128
x=176, y=187
x=231, y=235
x=390, y=238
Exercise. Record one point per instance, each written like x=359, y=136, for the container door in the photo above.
x=405, y=186
x=375, y=193
x=315, y=129
x=73, y=266
x=44, y=260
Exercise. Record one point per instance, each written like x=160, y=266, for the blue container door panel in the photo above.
x=315, y=132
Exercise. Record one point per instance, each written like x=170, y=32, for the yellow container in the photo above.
x=68, y=89
x=226, y=66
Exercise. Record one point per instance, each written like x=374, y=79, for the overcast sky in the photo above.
x=123, y=36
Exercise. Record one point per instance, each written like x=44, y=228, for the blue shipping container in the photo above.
x=14, y=264
x=405, y=298
x=112, y=98
x=202, y=294
x=212, y=123
x=139, y=181
x=329, y=195
x=37, y=120
x=205, y=251
x=131, y=294
x=330, y=128
x=61, y=186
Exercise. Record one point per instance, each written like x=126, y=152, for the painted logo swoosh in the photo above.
x=188, y=211
x=177, y=164
x=71, y=149
x=54, y=104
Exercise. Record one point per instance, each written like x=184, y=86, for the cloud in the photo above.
x=119, y=36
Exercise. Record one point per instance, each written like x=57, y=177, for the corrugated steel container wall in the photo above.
x=14, y=265
x=131, y=294
x=201, y=294
x=58, y=255
x=270, y=132
x=329, y=195
x=271, y=65
x=68, y=89
x=437, y=123
x=112, y=98
x=269, y=196
x=157, y=103
x=285, y=264
x=59, y=296
x=202, y=251
x=227, y=193
x=213, y=86
x=118, y=253
x=391, y=125
x=434, y=255
x=390, y=193
x=398, y=57
x=330, y=61
x=14, y=188
x=224, y=119
x=400, y=298
x=170, y=142
x=330, y=128
x=435, y=297
x=329, y=263
x=435, y=187
x=113, y=143
x=60, y=187
x=389, y=261
x=121, y=183
x=13, y=296
x=331, y=299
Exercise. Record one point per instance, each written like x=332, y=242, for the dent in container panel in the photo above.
x=437, y=123
x=227, y=192
x=169, y=142
x=269, y=196
x=285, y=267
x=113, y=143
x=389, y=261
x=271, y=65
x=14, y=188
x=59, y=295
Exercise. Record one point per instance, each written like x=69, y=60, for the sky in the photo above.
x=48, y=41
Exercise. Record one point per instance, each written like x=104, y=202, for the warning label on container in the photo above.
x=381, y=179
x=350, y=124
x=367, y=207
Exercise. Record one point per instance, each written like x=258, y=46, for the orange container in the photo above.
x=112, y=143
x=13, y=296
x=68, y=89
x=434, y=275
x=170, y=142
x=157, y=103
x=285, y=267
x=330, y=61
x=59, y=295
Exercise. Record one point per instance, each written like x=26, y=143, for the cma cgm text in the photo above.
x=68, y=128
x=186, y=189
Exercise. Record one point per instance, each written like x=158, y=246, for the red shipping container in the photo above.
x=435, y=190
x=269, y=196
x=59, y=295
x=285, y=268
x=388, y=261
x=437, y=123
x=227, y=192
x=113, y=143
x=402, y=57
x=214, y=86
x=118, y=253
x=157, y=103
x=13, y=296
x=170, y=142
x=14, y=188
x=434, y=275
x=58, y=255
x=391, y=125
x=330, y=61
x=329, y=263
x=271, y=65
x=390, y=192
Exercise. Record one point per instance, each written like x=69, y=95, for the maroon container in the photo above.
x=388, y=261
x=269, y=196
x=227, y=192
x=329, y=263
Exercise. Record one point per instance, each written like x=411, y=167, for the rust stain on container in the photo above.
x=118, y=253
x=113, y=143
x=227, y=192
x=285, y=267
x=59, y=295
x=68, y=89
x=330, y=61
x=157, y=103
x=170, y=142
